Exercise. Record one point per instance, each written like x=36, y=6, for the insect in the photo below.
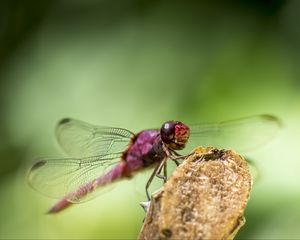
x=99, y=156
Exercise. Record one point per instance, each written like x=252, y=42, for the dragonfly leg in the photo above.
x=164, y=166
x=180, y=157
x=176, y=153
x=172, y=155
x=165, y=172
x=155, y=172
x=150, y=180
x=177, y=157
x=176, y=162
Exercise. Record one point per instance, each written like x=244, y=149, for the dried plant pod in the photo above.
x=205, y=198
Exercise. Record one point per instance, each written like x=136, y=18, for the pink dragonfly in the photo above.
x=102, y=155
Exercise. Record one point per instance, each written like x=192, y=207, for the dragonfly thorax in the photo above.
x=175, y=134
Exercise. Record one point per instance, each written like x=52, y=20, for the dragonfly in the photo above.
x=99, y=156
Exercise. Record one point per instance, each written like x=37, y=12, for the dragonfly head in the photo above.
x=175, y=134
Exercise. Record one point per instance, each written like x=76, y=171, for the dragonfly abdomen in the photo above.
x=118, y=172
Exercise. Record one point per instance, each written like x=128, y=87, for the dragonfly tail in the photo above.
x=59, y=206
x=116, y=173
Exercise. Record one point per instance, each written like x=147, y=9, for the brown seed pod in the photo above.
x=205, y=198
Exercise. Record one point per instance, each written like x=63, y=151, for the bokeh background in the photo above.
x=135, y=64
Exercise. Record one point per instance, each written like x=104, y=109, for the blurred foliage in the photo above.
x=136, y=64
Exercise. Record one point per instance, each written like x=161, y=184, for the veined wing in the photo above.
x=81, y=139
x=63, y=177
x=243, y=134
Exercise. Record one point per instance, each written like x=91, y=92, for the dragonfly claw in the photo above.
x=162, y=177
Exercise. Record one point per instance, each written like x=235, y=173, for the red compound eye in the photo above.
x=181, y=129
x=182, y=133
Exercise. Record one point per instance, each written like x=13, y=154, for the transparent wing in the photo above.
x=80, y=139
x=61, y=177
x=242, y=135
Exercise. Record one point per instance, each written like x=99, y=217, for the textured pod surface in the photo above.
x=205, y=198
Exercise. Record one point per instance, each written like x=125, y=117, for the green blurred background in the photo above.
x=135, y=64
